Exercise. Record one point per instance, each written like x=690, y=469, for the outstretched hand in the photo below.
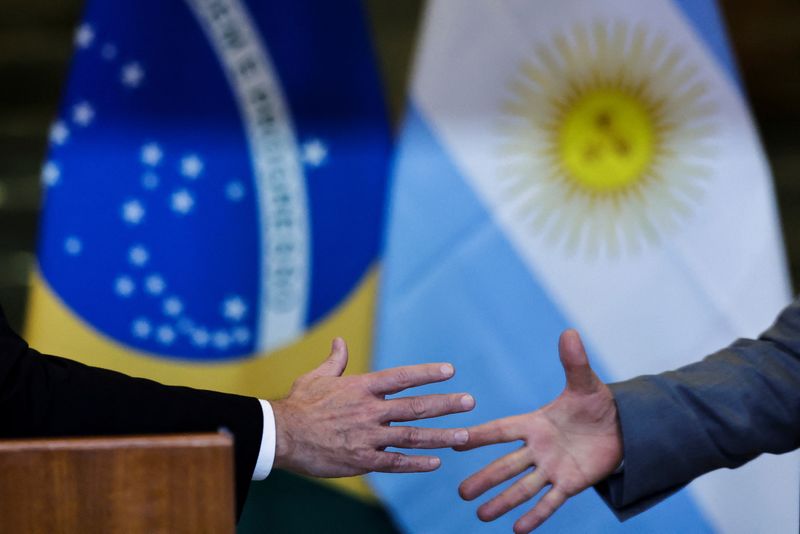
x=570, y=444
x=335, y=426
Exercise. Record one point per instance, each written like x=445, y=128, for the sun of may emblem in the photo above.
x=607, y=138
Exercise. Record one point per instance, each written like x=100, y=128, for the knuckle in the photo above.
x=398, y=461
x=380, y=462
x=371, y=461
x=362, y=382
x=418, y=407
x=388, y=413
x=370, y=409
x=506, y=464
x=302, y=379
x=526, y=491
x=381, y=438
x=413, y=437
x=403, y=378
x=518, y=492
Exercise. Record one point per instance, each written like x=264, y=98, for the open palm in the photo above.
x=570, y=444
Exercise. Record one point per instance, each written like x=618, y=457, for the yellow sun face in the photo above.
x=606, y=140
x=607, y=133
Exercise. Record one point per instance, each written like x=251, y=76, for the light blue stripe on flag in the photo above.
x=706, y=18
x=455, y=290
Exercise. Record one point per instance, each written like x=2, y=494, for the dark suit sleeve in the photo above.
x=44, y=395
x=722, y=412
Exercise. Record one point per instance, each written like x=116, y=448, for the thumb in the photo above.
x=336, y=363
x=580, y=376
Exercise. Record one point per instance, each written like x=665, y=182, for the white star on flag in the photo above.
x=82, y=113
x=124, y=286
x=73, y=246
x=141, y=328
x=166, y=334
x=200, y=337
x=151, y=154
x=138, y=255
x=314, y=153
x=133, y=212
x=241, y=335
x=182, y=201
x=132, y=75
x=234, y=308
x=51, y=174
x=173, y=306
x=234, y=191
x=154, y=284
x=191, y=166
x=221, y=340
x=84, y=35
x=59, y=133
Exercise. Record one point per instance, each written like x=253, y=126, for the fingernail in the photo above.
x=447, y=369
x=433, y=462
x=467, y=402
x=461, y=436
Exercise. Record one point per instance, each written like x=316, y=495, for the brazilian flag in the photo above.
x=214, y=193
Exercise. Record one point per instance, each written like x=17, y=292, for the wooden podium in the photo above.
x=138, y=484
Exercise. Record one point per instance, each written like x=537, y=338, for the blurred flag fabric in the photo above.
x=214, y=195
x=578, y=164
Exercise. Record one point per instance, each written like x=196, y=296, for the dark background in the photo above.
x=36, y=44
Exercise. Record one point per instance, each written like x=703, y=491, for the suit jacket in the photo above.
x=721, y=412
x=43, y=395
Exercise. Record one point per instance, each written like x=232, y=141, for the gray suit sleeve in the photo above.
x=721, y=412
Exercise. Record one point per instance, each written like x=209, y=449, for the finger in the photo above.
x=547, y=505
x=400, y=378
x=412, y=437
x=426, y=406
x=396, y=462
x=522, y=490
x=336, y=362
x=497, y=431
x=580, y=377
x=495, y=473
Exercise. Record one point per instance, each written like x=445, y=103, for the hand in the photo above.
x=335, y=426
x=571, y=444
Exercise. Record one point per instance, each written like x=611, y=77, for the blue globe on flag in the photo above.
x=213, y=186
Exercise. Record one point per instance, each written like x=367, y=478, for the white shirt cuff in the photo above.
x=266, y=455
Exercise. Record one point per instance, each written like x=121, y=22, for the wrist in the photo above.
x=282, y=435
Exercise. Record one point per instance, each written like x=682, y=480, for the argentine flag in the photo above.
x=214, y=194
x=581, y=164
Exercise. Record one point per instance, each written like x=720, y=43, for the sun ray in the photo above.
x=555, y=69
x=619, y=39
x=566, y=51
x=624, y=223
x=636, y=57
x=602, y=57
